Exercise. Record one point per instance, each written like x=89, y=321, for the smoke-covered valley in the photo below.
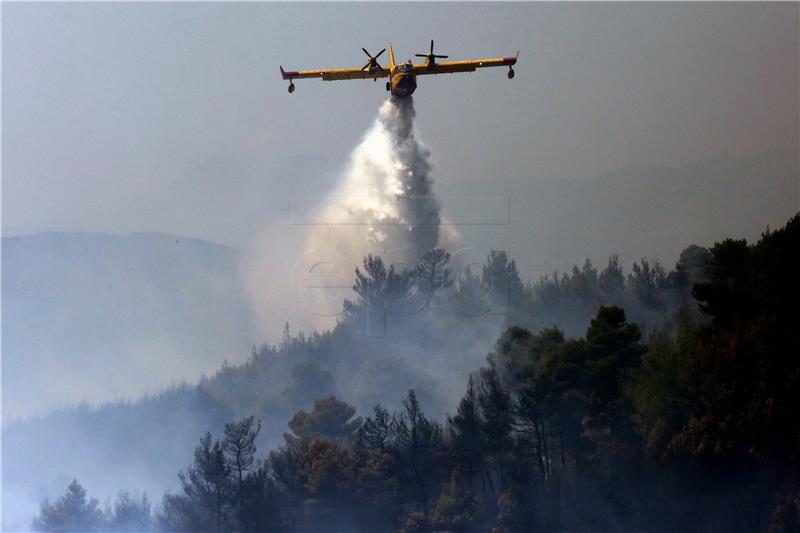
x=122, y=317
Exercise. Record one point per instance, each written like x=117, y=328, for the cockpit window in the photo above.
x=406, y=68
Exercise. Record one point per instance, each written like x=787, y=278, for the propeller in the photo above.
x=373, y=64
x=431, y=56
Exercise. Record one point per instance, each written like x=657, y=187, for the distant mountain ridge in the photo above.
x=638, y=211
x=88, y=315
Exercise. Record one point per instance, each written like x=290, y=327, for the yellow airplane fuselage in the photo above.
x=403, y=81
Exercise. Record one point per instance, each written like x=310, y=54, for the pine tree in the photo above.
x=239, y=448
x=71, y=512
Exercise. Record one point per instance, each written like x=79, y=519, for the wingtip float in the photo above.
x=402, y=76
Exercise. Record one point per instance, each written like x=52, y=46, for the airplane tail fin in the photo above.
x=391, y=57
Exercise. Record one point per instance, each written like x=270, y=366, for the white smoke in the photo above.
x=384, y=205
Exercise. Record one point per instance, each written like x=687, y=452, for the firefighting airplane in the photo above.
x=403, y=77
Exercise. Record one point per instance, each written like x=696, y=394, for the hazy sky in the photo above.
x=122, y=117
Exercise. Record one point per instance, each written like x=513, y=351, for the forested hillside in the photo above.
x=673, y=409
x=431, y=343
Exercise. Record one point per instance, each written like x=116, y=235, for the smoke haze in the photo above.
x=124, y=118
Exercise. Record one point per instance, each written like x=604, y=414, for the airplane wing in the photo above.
x=334, y=74
x=449, y=67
